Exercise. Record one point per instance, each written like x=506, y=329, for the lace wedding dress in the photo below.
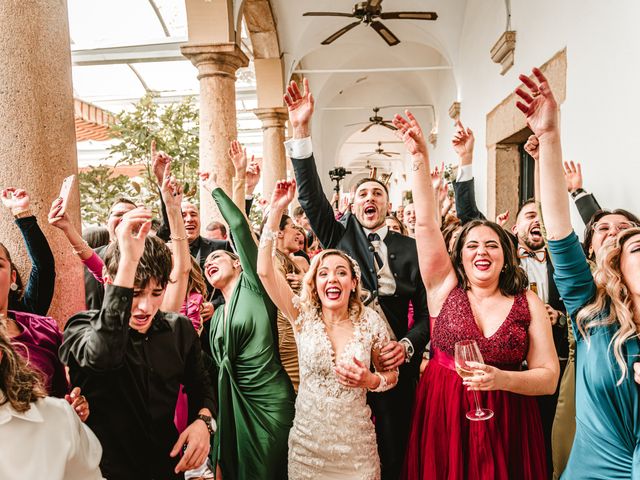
x=332, y=435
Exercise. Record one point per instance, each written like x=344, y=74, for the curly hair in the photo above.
x=612, y=296
x=513, y=279
x=20, y=384
x=309, y=300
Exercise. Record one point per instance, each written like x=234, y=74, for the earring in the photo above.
x=13, y=286
x=353, y=290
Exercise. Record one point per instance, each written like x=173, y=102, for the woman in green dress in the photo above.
x=255, y=396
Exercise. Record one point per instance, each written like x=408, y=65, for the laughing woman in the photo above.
x=605, y=306
x=255, y=395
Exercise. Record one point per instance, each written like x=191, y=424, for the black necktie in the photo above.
x=374, y=238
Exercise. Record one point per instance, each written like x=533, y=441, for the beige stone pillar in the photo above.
x=274, y=160
x=217, y=65
x=37, y=133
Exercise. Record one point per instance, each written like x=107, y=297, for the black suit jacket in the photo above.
x=349, y=236
x=587, y=205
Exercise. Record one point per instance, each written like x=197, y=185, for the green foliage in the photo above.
x=175, y=129
x=98, y=190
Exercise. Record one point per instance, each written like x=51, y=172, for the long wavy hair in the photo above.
x=612, y=296
x=513, y=279
x=309, y=300
x=20, y=384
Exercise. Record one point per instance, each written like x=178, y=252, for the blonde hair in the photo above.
x=612, y=294
x=309, y=300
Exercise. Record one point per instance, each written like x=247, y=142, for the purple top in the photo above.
x=38, y=342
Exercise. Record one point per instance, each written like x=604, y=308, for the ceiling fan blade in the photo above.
x=385, y=33
x=354, y=124
x=390, y=127
x=386, y=154
x=409, y=16
x=339, y=33
x=393, y=153
x=327, y=14
x=367, y=127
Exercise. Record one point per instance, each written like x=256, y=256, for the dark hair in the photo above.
x=448, y=230
x=304, y=235
x=403, y=229
x=217, y=226
x=588, y=229
x=96, y=236
x=123, y=200
x=513, y=279
x=283, y=222
x=529, y=201
x=14, y=295
x=298, y=211
x=155, y=262
x=366, y=180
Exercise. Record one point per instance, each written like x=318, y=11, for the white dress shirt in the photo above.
x=48, y=441
x=537, y=273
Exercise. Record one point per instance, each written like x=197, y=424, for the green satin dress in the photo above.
x=255, y=396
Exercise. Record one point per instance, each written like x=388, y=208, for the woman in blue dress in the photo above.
x=606, y=309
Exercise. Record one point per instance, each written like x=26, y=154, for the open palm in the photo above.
x=463, y=140
x=283, y=194
x=409, y=131
x=539, y=105
x=300, y=104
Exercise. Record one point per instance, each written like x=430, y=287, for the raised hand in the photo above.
x=238, y=156
x=59, y=221
x=79, y=403
x=208, y=181
x=159, y=162
x=463, y=141
x=283, y=194
x=503, y=218
x=409, y=131
x=539, y=106
x=437, y=178
x=532, y=147
x=253, y=176
x=131, y=233
x=573, y=175
x=300, y=105
x=15, y=199
x=170, y=189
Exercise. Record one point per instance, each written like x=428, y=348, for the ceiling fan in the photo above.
x=380, y=151
x=368, y=12
x=375, y=120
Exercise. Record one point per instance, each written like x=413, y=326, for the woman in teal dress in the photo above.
x=255, y=396
x=607, y=438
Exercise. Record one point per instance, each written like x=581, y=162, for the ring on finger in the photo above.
x=535, y=94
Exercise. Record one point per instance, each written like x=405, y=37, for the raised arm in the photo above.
x=541, y=110
x=464, y=186
x=435, y=265
x=238, y=156
x=98, y=340
x=38, y=292
x=171, y=192
x=274, y=283
x=310, y=194
x=586, y=202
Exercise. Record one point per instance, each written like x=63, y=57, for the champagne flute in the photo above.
x=468, y=351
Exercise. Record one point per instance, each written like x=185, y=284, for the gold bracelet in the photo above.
x=175, y=238
x=78, y=249
x=21, y=212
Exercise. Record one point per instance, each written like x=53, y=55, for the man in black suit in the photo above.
x=390, y=273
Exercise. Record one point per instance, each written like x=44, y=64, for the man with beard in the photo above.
x=390, y=273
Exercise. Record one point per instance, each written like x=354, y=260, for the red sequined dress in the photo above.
x=443, y=443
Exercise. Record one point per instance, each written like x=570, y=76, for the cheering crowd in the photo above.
x=346, y=341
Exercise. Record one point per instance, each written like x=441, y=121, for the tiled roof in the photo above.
x=92, y=123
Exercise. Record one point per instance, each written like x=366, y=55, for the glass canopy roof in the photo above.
x=122, y=49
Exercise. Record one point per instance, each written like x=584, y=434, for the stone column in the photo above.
x=274, y=160
x=37, y=133
x=217, y=65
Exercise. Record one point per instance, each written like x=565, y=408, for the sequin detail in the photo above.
x=506, y=348
x=332, y=434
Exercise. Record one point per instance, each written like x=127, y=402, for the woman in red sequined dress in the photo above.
x=478, y=293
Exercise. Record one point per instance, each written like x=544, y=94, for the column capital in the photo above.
x=272, y=117
x=215, y=59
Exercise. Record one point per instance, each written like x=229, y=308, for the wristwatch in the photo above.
x=208, y=421
x=578, y=191
x=408, y=349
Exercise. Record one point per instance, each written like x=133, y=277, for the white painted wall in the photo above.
x=603, y=85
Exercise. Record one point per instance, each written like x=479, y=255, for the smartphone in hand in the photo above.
x=65, y=192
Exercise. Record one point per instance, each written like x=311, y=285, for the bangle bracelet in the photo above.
x=78, y=249
x=267, y=236
x=176, y=238
x=21, y=212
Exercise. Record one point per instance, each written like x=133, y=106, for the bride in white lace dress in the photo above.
x=338, y=339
